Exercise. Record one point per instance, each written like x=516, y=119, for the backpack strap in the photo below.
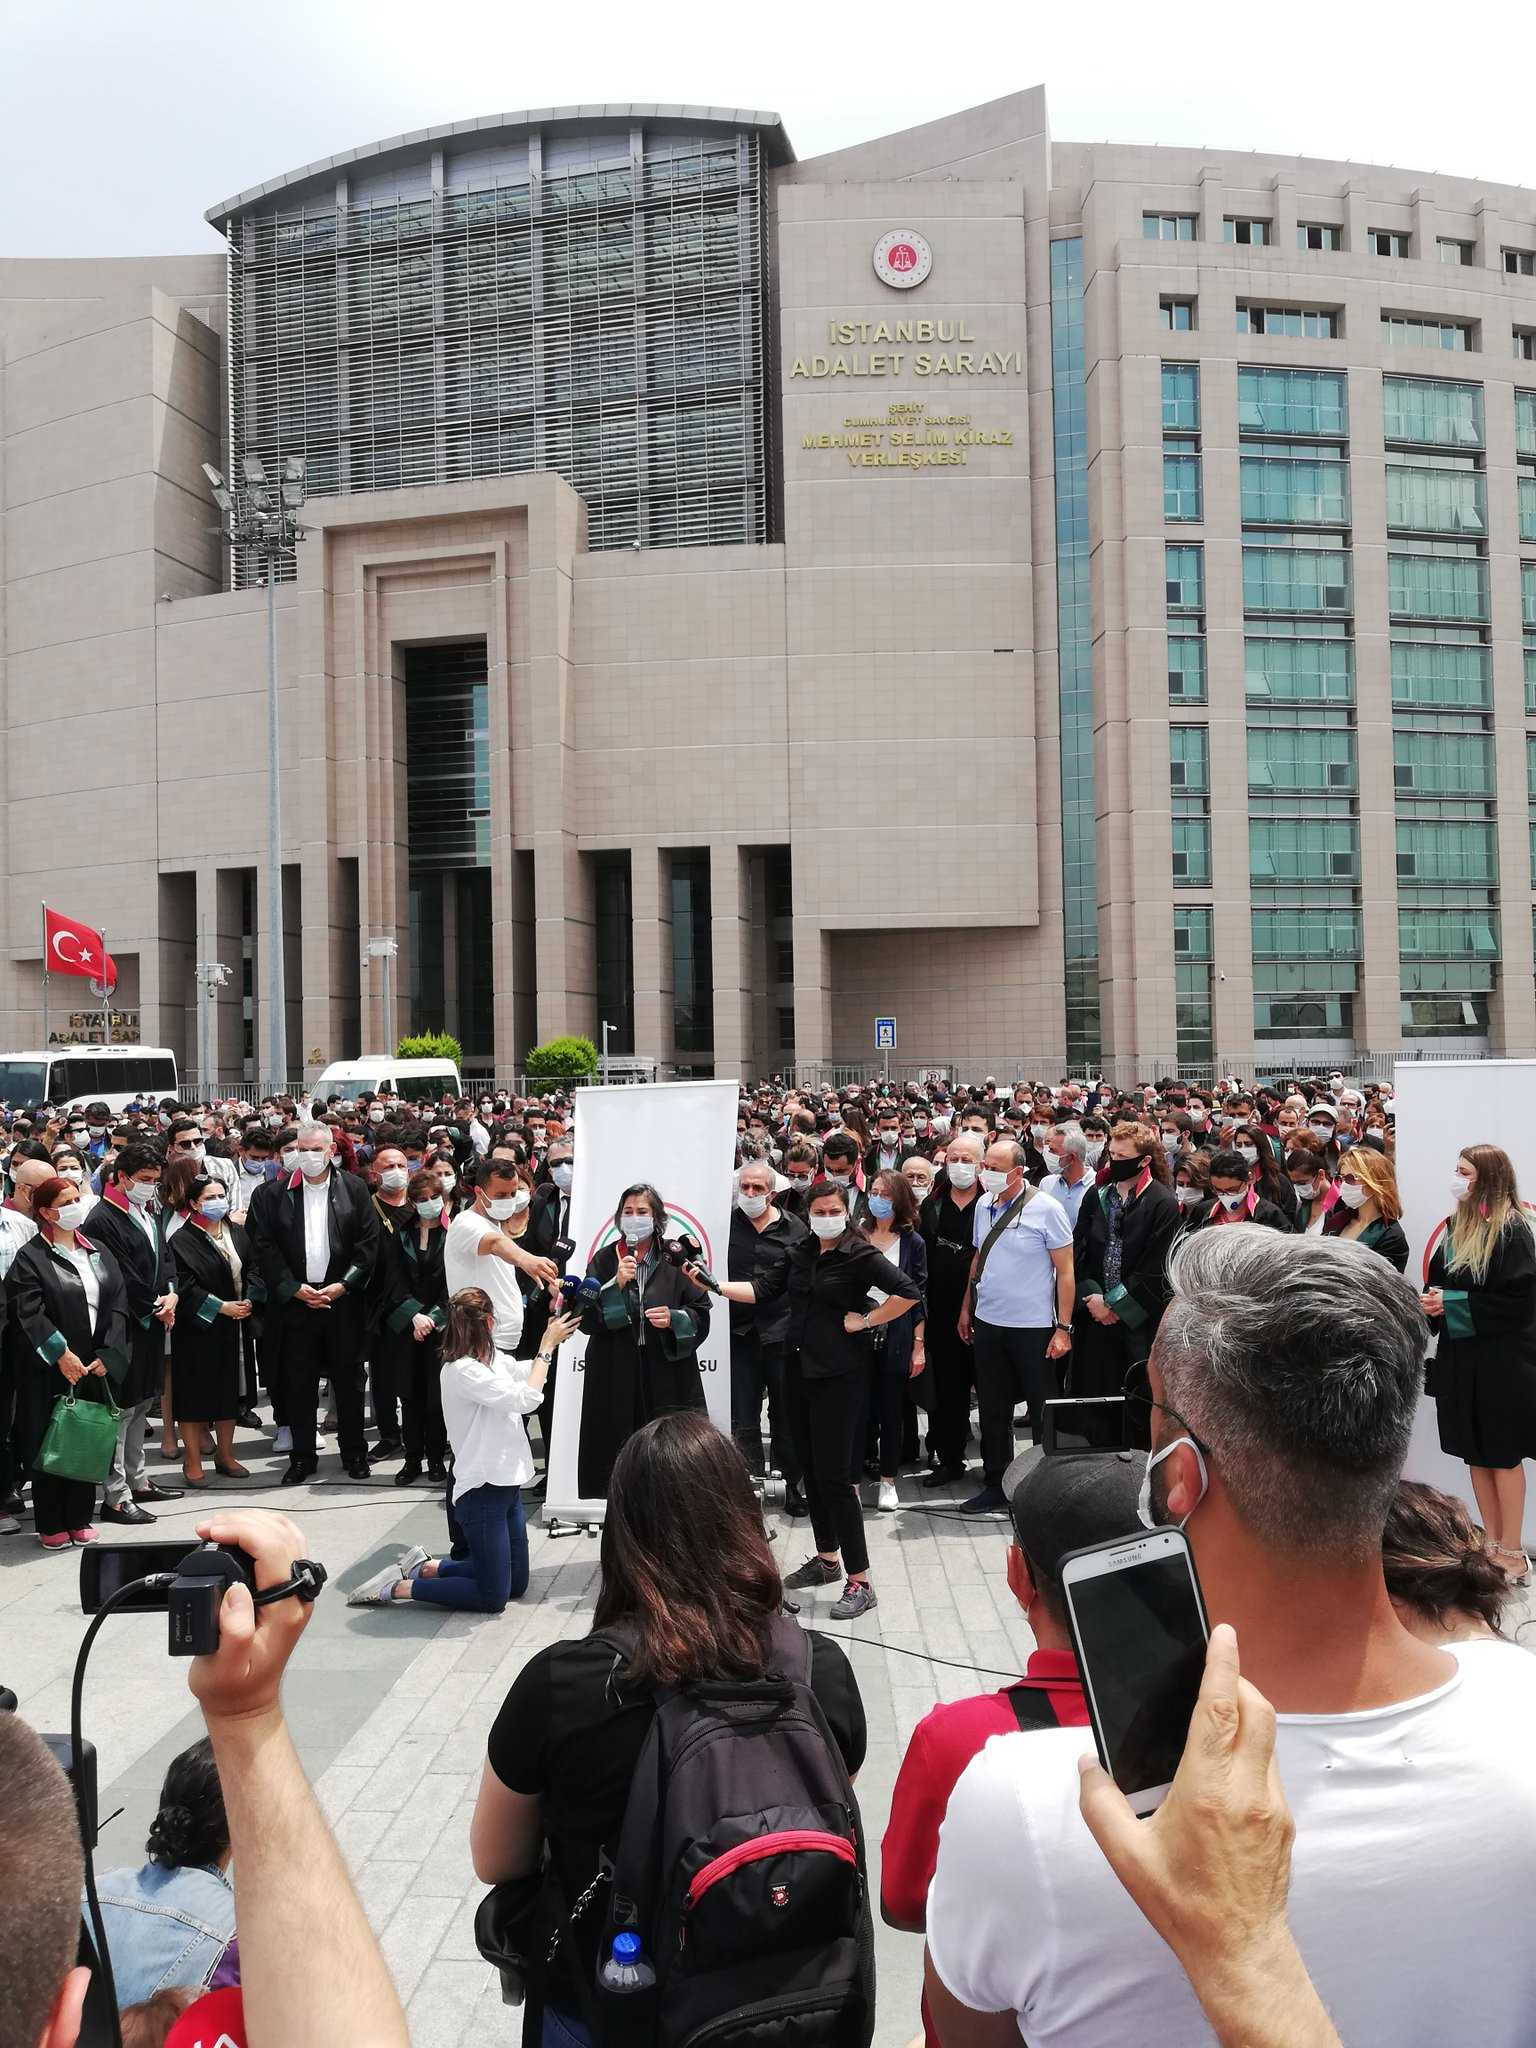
x=789, y=1649
x=1032, y=1705
x=1006, y=1221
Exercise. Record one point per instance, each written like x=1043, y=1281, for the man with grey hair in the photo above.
x=1066, y=1154
x=1284, y=1381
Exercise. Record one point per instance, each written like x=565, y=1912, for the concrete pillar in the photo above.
x=731, y=939
x=650, y=886
x=813, y=992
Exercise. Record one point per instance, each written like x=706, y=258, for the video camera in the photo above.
x=187, y=1581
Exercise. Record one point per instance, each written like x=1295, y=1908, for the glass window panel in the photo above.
x=1310, y=323
x=1443, y=763
x=1186, y=668
x=1437, y=850
x=1168, y=227
x=1248, y=230
x=1304, y=850
x=1445, y=1017
x=1288, y=932
x=1319, y=234
x=1191, y=853
x=1314, y=402
x=1456, y=252
x=1528, y=594
x=1457, y=676
x=1192, y=932
x=1177, y=315
x=1437, y=587
x=1403, y=330
x=1299, y=670
x=1302, y=761
x=1436, y=500
x=1430, y=412
x=1280, y=491
x=1181, y=398
x=1295, y=580
x=1388, y=242
x=1321, y=1017
x=1189, y=753
x=1185, y=572
x=1527, y=497
x=1448, y=934
x=1181, y=487
x=1525, y=422
x=1524, y=344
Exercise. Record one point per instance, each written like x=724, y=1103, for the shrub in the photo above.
x=562, y=1059
x=431, y=1045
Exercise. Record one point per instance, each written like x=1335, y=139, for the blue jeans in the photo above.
x=496, y=1569
x=560, y=2031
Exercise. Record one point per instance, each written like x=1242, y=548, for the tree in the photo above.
x=431, y=1045
x=562, y=1059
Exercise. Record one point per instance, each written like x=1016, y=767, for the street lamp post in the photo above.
x=385, y=950
x=211, y=974
x=606, y=1027
x=264, y=518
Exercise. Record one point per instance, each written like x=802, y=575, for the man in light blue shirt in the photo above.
x=1066, y=1153
x=1018, y=1312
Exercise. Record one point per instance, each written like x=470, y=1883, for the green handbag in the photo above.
x=81, y=1439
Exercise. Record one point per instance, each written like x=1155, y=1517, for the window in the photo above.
x=1176, y=315
x=1406, y=330
x=1448, y=934
x=1287, y=491
x=1298, y=670
x=1181, y=398
x=1388, y=242
x=1293, y=402
x=1278, y=579
x=1520, y=262
x=1320, y=1017
x=1304, y=850
x=1186, y=668
x=1442, y=851
x=1302, y=760
x=1189, y=783
x=1168, y=227
x=1189, y=759
x=1528, y=612
x=1192, y=956
x=1431, y=413
x=1442, y=757
x=1526, y=488
x=1456, y=252
x=1181, y=480
x=1426, y=586
x=1319, y=234
x=1436, y=500
x=1248, y=230
x=1302, y=933
x=1185, y=572
x=1525, y=422
x=1455, y=674
x=1315, y=324
x=1525, y=344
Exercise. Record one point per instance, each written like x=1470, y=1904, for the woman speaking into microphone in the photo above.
x=643, y=1330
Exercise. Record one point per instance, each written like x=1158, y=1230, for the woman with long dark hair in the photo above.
x=1480, y=1298
x=689, y=1593
x=897, y=1353
x=214, y=1268
x=485, y=1397
x=172, y=1921
x=1441, y=1575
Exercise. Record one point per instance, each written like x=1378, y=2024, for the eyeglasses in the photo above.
x=1351, y=1180
x=1146, y=1401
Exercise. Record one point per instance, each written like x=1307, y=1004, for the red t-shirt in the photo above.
x=942, y=1744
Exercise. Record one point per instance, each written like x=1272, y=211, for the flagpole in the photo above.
x=45, y=977
x=106, y=992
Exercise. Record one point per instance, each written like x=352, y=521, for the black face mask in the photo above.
x=1124, y=1169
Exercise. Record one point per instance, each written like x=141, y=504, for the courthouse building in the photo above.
x=1077, y=599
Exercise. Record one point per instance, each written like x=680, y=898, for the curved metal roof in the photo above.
x=377, y=154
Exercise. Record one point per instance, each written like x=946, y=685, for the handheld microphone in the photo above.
x=685, y=1250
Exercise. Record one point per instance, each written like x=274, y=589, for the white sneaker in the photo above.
x=377, y=1591
x=888, y=1502
x=283, y=1441
x=9, y=1526
x=413, y=1559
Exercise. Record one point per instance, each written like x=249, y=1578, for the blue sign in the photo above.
x=885, y=1034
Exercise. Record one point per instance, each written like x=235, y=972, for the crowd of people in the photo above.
x=902, y=1267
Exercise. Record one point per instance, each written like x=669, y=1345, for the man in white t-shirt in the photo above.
x=480, y=1252
x=1285, y=1378
x=1018, y=1310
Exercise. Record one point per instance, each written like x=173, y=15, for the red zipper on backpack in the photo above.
x=786, y=1843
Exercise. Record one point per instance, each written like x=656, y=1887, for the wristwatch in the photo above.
x=1065, y=1328
x=547, y=1356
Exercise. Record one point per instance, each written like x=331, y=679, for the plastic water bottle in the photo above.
x=626, y=1968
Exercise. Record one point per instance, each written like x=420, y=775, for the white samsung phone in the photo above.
x=1139, y=1629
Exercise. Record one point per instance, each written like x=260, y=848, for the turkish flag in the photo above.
x=73, y=948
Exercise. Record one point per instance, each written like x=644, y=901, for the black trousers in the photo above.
x=824, y=1420
x=320, y=1344
x=949, y=1377
x=757, y=1369
x=419, y=1377
x=61, y=1504
x=1011, y=1366
x=383, y=1378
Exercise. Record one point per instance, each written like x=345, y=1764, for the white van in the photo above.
x=113, y=1074
x=412, y=1080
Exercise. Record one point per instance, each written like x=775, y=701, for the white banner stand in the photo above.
x=681, y=1137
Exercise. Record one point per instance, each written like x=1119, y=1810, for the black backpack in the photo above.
x=741, y=1869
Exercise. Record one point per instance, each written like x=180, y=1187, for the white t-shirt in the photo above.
x=1402, y=1814
x=1017, y=1289
x=464, y=1265
x=483, y=1410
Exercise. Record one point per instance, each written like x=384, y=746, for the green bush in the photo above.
x=563, y=1059
x=430, y=1045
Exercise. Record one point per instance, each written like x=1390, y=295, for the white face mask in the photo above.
x=1232, y=1202
x=520, y=1201
x=448, y=1182
x=962, y=1173
x=1461, y=1187
x=1250, y=1153
x=141, y=1193
x=429, y=1211
x=393, y=1179
x=72, y=1172
x=921, y=1188
x=752, y=1205
x=375, y=1116
x=1095, y=1151
x=1321, y=1129
x=1145, y=1512
x=562, y=1173
x=313, y=1164
x=1190, y=1198
x=500, y=1207
x=291, y=1159
x=637, y=1229
x=994, y=1180
x=1038, y=1131
x=841, y=1180
x=1308, y=1189
x=71, y=1215
x=1352, y=1198
x=890, y=1141
x=828, y=1226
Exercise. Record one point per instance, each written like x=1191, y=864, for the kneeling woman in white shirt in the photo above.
x=486, y=1394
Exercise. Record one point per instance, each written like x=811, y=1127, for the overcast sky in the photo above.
x=122, y=120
